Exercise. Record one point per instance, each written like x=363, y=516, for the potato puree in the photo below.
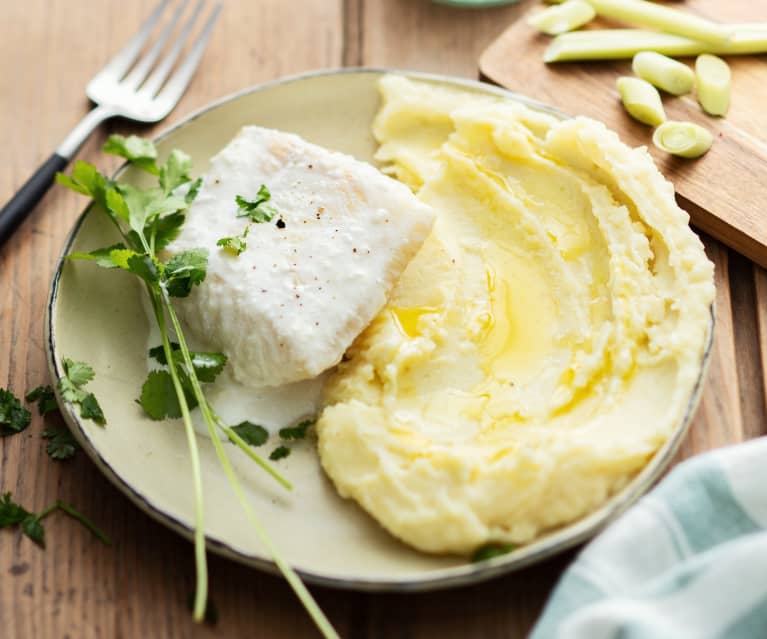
x=541, y=346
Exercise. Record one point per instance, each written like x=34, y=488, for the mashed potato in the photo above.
x=541, y=346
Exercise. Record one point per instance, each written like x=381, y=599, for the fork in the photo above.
x=124, y=87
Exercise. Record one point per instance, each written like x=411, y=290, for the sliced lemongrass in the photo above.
x=713, y=76
x=616, y=44
x=663, y=72
x=685, y=139
x=565, y=17
x=642, y=100
x=663, y=18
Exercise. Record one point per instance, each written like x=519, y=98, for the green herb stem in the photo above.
x=201, y=592
x=290, y=575
x=47, y=511
x=77, y=515
x=248, y=450
x=95, y=531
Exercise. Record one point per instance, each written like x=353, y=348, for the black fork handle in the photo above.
x=21, y=204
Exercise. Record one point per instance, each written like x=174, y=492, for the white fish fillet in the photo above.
x=288, y=307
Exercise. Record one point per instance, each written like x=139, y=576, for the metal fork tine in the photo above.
x=119, y=64
x=144, y=66
x=155, y=81
x=180, y=80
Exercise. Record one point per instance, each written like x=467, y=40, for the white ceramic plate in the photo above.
x=97, y=316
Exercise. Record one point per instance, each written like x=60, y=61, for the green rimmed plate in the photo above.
x=97, y=316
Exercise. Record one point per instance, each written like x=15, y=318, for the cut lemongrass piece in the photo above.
x=684, y=139
x=565, y=17
x=663, y=72
x=663, y=18
x=713, y=84
x=616, y=44
x=642, y=100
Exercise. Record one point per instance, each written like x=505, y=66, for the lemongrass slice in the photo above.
x=564, y=17
x=663, y=72
x=685, y=139
x=642, y=100
x=663, y=18
x=713, y=84
x=616, y=44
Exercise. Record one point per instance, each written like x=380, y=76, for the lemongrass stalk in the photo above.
x=616, y=44
x=648, y=14
x=663, y=72
x=565, y=17
x=315, y=612
x=685, y=139
x=713, y=77
x=642, y=100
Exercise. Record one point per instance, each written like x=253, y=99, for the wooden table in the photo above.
x=139, y=587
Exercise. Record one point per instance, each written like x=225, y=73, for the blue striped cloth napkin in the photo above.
x=689, y=561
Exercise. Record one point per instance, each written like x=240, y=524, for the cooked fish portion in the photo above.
x=315, y=274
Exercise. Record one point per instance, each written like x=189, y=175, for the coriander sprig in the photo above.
x=148, y=220
x=12, y=514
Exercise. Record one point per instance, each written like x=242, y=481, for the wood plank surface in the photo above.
x=726, y=186
x=78, y=588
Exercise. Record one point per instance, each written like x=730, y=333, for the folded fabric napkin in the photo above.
x=689, y=561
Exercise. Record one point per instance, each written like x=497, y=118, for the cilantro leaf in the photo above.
x=158, y=352
x=45, y=398
x=102, y=256
x=76, y=375
x=136, y=150
x=279, y=453
x=144, y=205
x=11, y=513
x=252, y=434
x=69, y=392
x=137, y=202
x=61, y=444
x=33, y=529
x=165, y=229
x=145, y=266
x=298, y=431
x=257, y=210
x=491, y=550
x=87, y=180
x=207, y=366
x=116, y=204
x=185, y=270
x=79, y=373
x=194, y=190
x=175, y=171
x=158, y=396
x=236, y=244
x=14, y=418
x=90, y=409
x=163, y=205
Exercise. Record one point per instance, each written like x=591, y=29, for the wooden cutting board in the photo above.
x=725, y=191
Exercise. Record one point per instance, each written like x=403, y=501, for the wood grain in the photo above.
x=78, y=588
x=726, y=186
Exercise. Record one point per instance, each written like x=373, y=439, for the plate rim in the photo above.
x=549, y=545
